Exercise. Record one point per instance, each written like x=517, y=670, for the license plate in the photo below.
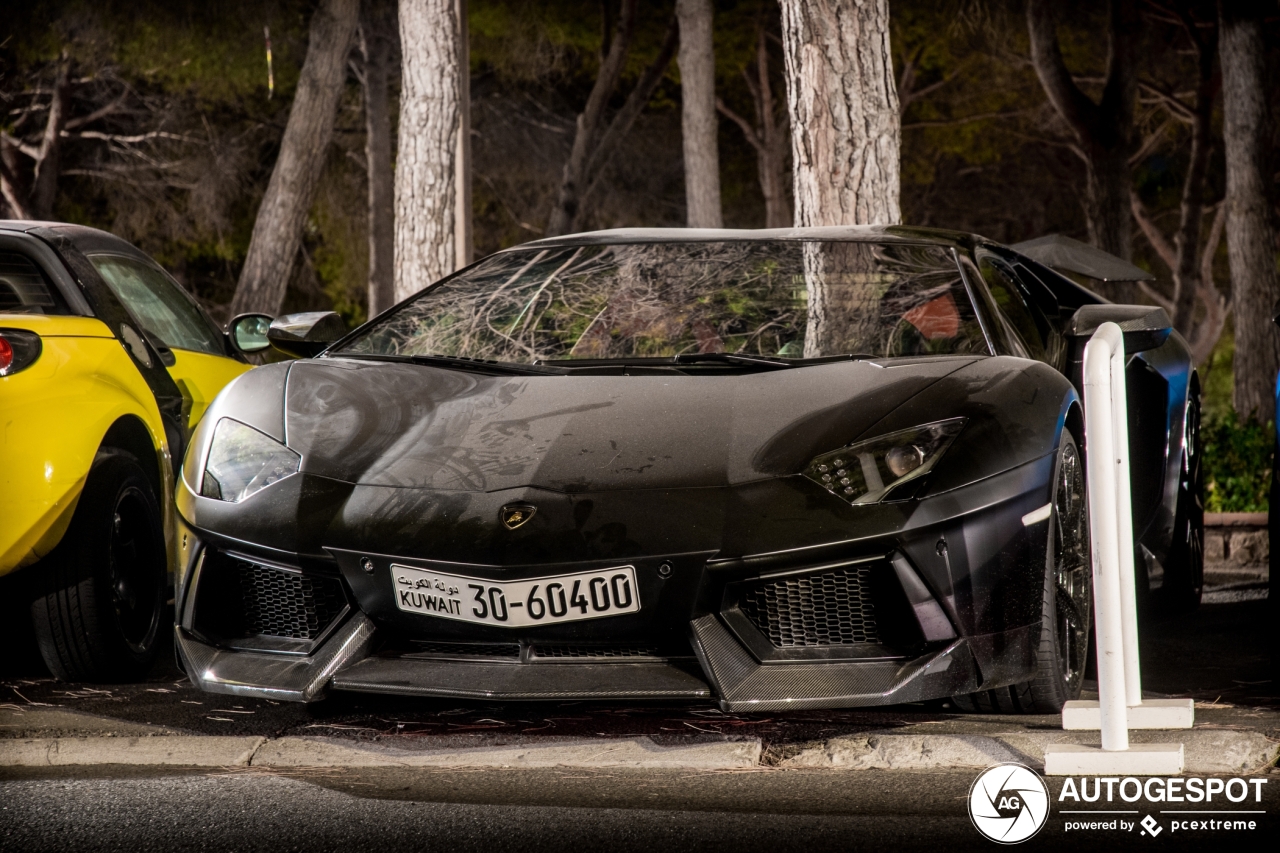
x=517, y=604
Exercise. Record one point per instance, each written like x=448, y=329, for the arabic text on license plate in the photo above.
x=517, y=604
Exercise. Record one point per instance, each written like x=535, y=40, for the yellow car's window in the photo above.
x=158, y=303
x=25, y=290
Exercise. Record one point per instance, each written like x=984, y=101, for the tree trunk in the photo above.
x=1186, y=273
x=625, y=118
x=771, y=156
x=44, y=188
x=845, y=129
x=768, y=136
x=845, y=137
x=426, y=180
x=376, y=40
x=1106, y=201
x=11, y=186
x=1251, y=238
x=1103, y=130
x=1184, y=256
x=462, y=237
x=698, y=112
x=277, y=231
x=590, y=121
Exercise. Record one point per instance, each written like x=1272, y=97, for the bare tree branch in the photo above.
x=1170, y=101
x=954, y=122
x=30, y=150
x=1149, y=143
x=631, y=109
x=1164, y=249
x=45, y=183
x=140, y=137
x=96, y=114
x=576, y=174
x=1046, y=56
x=748, y=130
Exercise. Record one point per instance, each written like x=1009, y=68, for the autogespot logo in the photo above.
x=1008, y=803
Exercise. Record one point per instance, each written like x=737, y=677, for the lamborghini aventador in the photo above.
x=776, y=469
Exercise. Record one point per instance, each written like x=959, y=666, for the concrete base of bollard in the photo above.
x=1086, y=715
x=1140, y=759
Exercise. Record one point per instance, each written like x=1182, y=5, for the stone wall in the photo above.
x=1236, y=547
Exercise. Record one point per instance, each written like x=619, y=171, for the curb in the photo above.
x=637, y=752
x=1207, y=751
x=195, y=751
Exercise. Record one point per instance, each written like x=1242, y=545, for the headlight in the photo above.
x=868, y=471
x=243, y=462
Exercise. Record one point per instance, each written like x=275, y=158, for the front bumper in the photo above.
x=957, y=580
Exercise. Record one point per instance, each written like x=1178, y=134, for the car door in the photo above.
x=192, y=347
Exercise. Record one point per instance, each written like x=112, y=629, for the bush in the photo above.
x=1237, y=463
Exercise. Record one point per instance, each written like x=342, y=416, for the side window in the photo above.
x=24, y=289
x=1019, y=314
x=1047, y=312
x=939, y=319
x=158, y=303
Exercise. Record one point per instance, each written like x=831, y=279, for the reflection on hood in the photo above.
x=423, y=427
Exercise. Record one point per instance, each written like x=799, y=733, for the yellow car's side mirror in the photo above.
x=248, y=332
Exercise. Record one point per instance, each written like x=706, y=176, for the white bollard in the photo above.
x=1106, y=450
x=1128, y=604
x=1115, y=598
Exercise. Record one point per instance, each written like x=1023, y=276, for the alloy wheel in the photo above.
x=132, y=571
x=1073, y=573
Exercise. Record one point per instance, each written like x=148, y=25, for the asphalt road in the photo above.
x=535, y=810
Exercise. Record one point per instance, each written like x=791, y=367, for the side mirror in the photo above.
x=1144, y=326
x=248, y=332
x=307, y=334
x=1275, y=313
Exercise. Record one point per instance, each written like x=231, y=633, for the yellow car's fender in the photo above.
x=54, y=417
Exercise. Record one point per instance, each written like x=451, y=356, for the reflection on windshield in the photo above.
x=654, y=300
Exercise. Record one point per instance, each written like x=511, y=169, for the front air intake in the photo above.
x=244, y=603
x=281, y=603
x=833, y=608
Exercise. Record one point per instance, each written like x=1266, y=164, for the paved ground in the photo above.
x=535, y=810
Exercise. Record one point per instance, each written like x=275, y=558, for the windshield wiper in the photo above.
x=479, y=365
x=732, y=358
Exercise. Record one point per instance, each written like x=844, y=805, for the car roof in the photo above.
x=88, y=240
x=851, y=233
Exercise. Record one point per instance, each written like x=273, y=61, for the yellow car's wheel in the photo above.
x=98, y=615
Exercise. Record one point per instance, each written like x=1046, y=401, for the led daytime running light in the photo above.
x=871, y=471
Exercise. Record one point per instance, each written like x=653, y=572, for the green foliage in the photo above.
x=1217, y=376
x=1237, y=464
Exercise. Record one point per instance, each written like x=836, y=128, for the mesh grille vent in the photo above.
x=278, y=603
x=829, y=609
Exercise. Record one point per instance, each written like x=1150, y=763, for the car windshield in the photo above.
x=777, y=298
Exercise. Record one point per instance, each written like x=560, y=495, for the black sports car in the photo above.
x=781, y=469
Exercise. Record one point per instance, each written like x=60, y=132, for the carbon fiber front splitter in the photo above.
x=728, y=673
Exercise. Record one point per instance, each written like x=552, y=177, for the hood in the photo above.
x=423, y=427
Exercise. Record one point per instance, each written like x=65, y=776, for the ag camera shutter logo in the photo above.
x=1008, y=803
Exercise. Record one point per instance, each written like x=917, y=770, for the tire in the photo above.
x=101, y=593
x=1184, y=567
x=1066, y=607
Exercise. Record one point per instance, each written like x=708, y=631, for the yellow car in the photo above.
x=106, y=365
